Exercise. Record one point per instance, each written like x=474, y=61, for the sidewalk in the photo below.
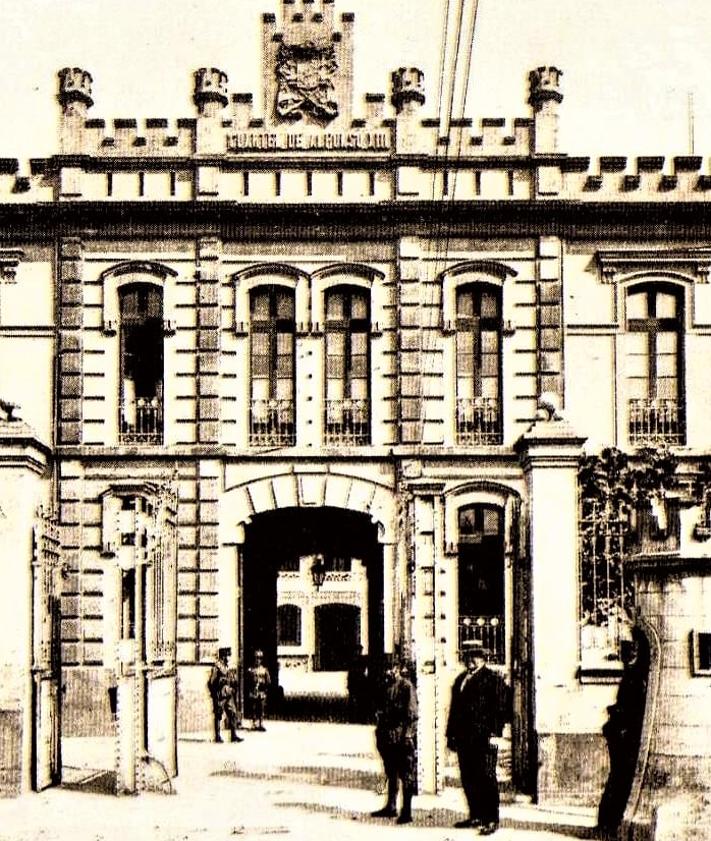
x=303, y=781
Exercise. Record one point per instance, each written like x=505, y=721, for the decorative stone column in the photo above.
x=23, y=487
x=428, y=646
x=671, y=792
x=549, y=452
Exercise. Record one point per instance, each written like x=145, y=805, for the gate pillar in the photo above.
x=550, y=452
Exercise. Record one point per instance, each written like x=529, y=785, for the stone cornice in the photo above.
x=693, y=262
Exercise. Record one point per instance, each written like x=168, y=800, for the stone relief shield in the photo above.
x=305, y=76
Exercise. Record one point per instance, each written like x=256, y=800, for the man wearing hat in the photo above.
x=222, y=686
x=395, y=733
x=480, y=706
x=259, y=683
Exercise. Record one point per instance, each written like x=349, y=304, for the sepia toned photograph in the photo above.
x=355, y=420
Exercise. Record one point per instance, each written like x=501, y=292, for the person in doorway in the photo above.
x=259, y=683
x=223, y=689
x=479, y=708
x=395, y=735
x=358, y=686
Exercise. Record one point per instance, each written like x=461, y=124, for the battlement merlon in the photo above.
x=545, y=98
x=75, y=99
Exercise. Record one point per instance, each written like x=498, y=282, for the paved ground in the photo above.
x=300, y=781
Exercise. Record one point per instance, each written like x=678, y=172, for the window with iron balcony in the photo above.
x=655, y=365
x=347, y=409
x=141, y=382
x=272, y=419
x=478, y=365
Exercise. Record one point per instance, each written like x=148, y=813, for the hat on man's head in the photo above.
x=474, y=648
x=224, y=652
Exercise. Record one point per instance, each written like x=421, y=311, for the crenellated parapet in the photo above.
x=644, y=178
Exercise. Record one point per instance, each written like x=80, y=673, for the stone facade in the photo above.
x=206, y=278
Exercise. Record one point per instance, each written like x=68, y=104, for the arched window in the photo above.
x=478, y=364
x=288, y=624
x=655, y=364
x=481, y=577
x=141, y=382
x=347, y=323
x=272, y=365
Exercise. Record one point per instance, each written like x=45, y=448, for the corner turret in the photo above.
x=75, y=99
x=545, y=98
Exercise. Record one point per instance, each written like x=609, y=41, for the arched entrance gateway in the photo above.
x=325, y=562
x=316, y=573
x=312, y=592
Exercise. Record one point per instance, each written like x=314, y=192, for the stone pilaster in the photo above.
x=209, y=250
x=71, y=301
x=428, y=645
x=549, y=452
x=549, y=311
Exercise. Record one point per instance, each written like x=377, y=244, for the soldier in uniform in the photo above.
x=395, y=738
x=259, y=683
x=223, y=688
x=480, y=706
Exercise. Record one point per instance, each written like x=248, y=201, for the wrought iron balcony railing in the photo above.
x=141, y=421
x=656, y=422
x=347, y=422
x=272, y=423
x=489, y=631
x=478, y=420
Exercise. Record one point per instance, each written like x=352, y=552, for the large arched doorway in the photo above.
x=308, y=624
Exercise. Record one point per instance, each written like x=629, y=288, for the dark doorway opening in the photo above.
x=481, y=578
x=281, y=540
x=337, y=636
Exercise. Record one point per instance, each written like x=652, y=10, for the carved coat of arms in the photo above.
x=305, y=81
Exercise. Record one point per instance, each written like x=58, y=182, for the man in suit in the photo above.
x=395, y=738
x=480, y=706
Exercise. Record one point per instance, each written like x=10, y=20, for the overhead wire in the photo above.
x=442, y=231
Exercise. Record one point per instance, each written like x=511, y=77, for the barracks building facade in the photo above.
x=306, y=374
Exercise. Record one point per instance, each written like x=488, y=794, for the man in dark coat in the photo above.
x=395, y=738
x=222, y=686
x=480, y=706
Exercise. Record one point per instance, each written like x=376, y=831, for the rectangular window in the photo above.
x=245, y=183
x=701, y=649
x=478, y=361
x=309, y=183
x=339, y=183
x=173, y=180
x=347, y=415
x=277, y=183
x=654, y=364
x=109, y=183
x=371, y=183
x=272, y=365
x=141, y=183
